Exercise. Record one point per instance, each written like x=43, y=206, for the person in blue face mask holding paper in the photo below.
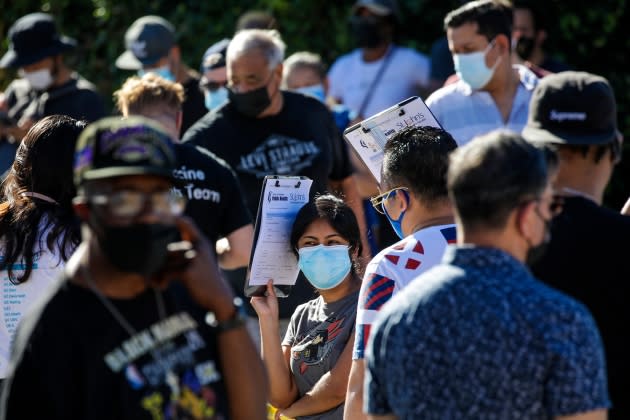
x=308, y=370
x=491, y=93
x=151, y=47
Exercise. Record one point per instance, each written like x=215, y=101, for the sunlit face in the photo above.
x=320, y=232
x=300, y=77
x=250, y=71
x=465, y=39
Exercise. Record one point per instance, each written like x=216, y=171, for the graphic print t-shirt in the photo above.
x=77, y=362
x=317, y=334
x=17, y=299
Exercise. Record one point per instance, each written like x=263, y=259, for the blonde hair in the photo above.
x=138, y=94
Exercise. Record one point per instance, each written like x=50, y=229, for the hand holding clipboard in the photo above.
x=272, y=258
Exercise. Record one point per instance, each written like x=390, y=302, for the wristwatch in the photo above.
x=237, y=320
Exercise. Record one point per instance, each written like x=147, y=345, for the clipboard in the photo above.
x=368, y=137
x=272, y=258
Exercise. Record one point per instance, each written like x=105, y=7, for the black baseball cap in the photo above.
x=214, y=57
x=147, y=40
x=34, y=37
x=572, y=108
x=113, y=147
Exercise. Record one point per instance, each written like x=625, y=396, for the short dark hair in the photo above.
x=495, y=173
x=493, y=17
x=417, y=158
x=336, y=212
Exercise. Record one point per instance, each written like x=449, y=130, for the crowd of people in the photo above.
x=477, y=280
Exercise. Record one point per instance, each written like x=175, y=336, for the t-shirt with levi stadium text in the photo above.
x=300, y=140
x=73, y=360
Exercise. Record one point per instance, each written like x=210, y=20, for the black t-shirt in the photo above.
x=300, y=140
x=77, y=98
x=215, y=201
x=194, y=106
x=75, y=361
x=587, y=259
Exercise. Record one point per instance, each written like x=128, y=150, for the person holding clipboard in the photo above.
x=308, y=372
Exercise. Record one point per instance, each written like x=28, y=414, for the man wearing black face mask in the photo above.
x=110, y=326
x=263, y=130
x=375, y=76
x=379, y=73
x=529, y=33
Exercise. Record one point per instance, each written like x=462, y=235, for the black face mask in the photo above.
x=535, y=253
x=250, y=103
x=137, y=248
x=366, y=31
x=525, y=47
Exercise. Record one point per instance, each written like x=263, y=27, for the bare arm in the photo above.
x=328, y=392
x=234, y=250
x=591, y=415
x=353, y=410
x=243, y=371
x=276, y=357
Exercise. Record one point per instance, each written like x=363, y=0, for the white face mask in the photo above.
x=39, y=79
x=472, y=68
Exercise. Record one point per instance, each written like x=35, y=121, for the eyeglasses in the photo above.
x=130, y=203
x=211, y=85
x=378, y=200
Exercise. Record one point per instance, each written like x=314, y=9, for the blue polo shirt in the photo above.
x=478, y=337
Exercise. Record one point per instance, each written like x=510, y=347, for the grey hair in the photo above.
x=267, y=41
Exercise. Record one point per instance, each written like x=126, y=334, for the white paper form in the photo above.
x=273, y=258
x=368, y=138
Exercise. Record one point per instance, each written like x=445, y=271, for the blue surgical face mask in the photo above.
x=325, y=267
x=472, y=68
x=397, y=224
x=316, y=91
x=216, y=98
x=164, y=72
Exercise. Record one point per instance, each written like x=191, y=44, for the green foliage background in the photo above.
x=590, y=36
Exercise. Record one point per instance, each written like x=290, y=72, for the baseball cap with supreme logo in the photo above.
x=575, y=108
x=147, y=40
x=112, y=147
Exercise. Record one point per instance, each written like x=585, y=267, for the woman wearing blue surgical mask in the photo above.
x=308, y=370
